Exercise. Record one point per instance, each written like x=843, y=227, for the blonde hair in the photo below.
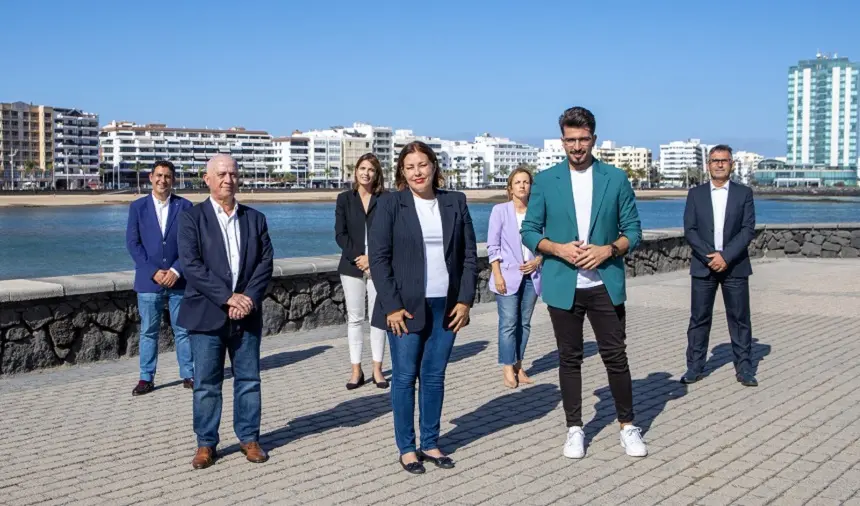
x=518, y=170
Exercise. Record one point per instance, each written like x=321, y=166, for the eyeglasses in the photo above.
x=573, y=141
x=720, y=161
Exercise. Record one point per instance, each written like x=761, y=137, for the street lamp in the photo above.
x=12, y=165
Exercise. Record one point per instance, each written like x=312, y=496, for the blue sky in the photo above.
x=650, y=71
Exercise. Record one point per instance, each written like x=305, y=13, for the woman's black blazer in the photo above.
x=349, y=225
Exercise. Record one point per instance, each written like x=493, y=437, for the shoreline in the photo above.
x=65, y=200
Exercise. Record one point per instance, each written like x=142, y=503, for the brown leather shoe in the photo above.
x=254, y=452
x=204, y=457
x=143, y=388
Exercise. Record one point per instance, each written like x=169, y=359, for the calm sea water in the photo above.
x=38, y=242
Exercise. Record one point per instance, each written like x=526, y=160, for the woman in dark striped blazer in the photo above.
x=423, y=260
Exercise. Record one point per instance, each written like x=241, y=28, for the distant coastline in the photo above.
x=95, y=198
x=90, y=198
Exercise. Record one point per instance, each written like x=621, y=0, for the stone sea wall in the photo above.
x=49, y=322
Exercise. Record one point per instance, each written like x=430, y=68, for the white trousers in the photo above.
x=354, y=290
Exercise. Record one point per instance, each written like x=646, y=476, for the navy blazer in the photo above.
x=350, y=223
x=204, y=261
x=738, y=230
x=397, y=263
x=150, y=251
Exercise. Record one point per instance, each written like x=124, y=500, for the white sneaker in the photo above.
x=631, y=441
x=574, y=447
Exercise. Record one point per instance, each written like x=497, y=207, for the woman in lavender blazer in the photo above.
x=515, y=277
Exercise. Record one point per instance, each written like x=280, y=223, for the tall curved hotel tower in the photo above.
x=822, y=113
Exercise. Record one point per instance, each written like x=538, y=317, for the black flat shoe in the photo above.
x=353, y=386
x=379, y=384
x=690, y=378
x=747, y=380
x=443, y=462
x=412, y=467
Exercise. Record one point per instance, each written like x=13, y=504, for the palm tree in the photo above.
x=640, y=175
x=477, y=168
x=49, y=168
x=654, y=177
x=503, y=171
x=30, y=169
x=102, y=175
x=349, y=168
x=137, y=168
x=694, y=176
x=627, y=170
x=327, y=174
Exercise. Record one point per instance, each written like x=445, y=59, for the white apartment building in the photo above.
x=679, y=156
x=76, y=148
x=552, y=154
x=637, y=159
x=468, y=166
x=128, y=147
x=822, y=121
x=746, y=163
x=325, y=157
x=381, y=138
x=503, y=155
x=291, y=159
x=403, y=137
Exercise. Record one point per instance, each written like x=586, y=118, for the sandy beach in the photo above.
x=85, y=199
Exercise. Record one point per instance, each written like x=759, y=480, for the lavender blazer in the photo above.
x=504, y=243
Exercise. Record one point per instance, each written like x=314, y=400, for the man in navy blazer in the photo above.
x=719, y=225
x=151, y=240
x=226, y=255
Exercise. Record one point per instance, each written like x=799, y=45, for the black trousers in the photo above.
x=736, y=295
x=608, y=322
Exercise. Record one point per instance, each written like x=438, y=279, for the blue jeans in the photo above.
x=420, y=355
x=151, y=306
x=244, y=350
x=515, y=321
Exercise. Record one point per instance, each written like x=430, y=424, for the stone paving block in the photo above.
x=718, y=443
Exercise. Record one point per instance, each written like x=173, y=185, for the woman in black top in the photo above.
x=353, y=216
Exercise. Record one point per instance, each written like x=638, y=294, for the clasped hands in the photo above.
x=239, y=306
x=583, y=256
x=396, y=320
x=717, y=263
x=165, y=277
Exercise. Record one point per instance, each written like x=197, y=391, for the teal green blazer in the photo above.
x=552, y=215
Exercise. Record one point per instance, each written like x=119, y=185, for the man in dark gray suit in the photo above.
x=719, y=224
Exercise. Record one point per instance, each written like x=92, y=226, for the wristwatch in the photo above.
x=615, y=253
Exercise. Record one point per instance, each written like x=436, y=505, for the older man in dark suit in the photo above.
x=226, y=256
x=719, y=224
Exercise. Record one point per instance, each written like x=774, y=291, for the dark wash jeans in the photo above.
x=421, y=355
x=608, y=322
x=209, y=350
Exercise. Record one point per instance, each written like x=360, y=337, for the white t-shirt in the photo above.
x=435, y=268
x=520, y=218
x=583, y=188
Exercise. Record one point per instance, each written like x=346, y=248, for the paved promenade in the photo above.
x=76, y=435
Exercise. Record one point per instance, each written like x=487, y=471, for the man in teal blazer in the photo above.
x=582, y=217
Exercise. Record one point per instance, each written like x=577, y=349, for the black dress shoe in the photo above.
x=443, y=462
x=143, y=388
x=690, y=377
x=379, y=384
x=747, y=380
x=412, y=467
x=353, y=386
